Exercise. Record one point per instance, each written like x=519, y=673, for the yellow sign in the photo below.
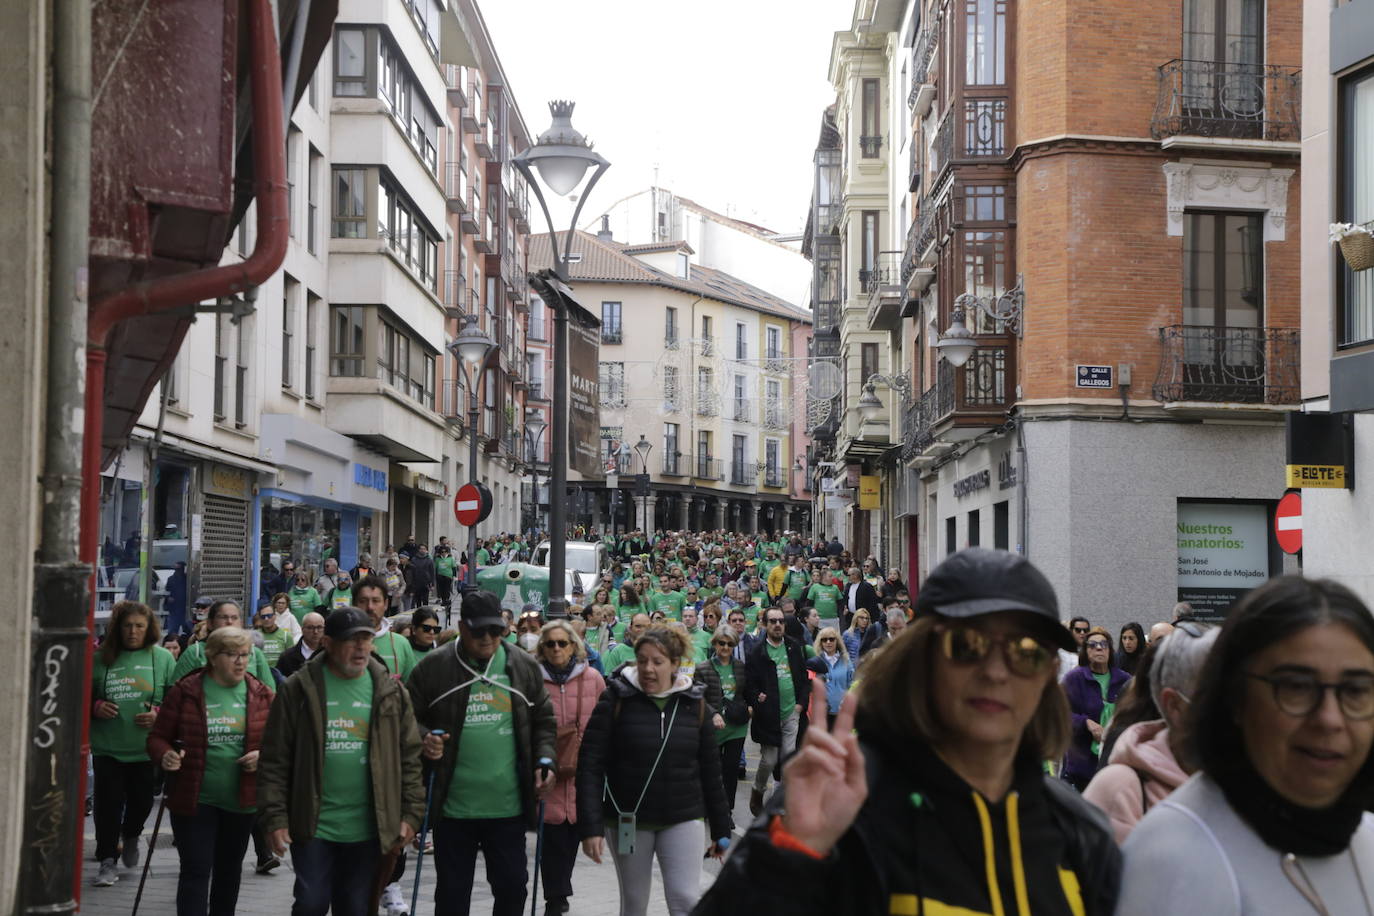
x=222, y=480
x=1330, y=476
x=870, y=491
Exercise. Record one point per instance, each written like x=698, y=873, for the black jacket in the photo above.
x=293, y=659
x=421, y=573
x=917, y=845
x=618, y=749
x=866, y=598
x=706, y=676
x=761, y=677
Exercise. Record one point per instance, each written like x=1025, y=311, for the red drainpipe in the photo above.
x=159, y=295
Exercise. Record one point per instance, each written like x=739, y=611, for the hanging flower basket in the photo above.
x=1357, y=244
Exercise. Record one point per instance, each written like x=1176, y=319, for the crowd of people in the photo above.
x=970, y=751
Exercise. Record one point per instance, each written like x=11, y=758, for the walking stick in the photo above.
x=538, y=856
x=424, y=829
x=157, y=825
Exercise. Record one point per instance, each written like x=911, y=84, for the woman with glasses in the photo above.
x=574, y=687
x=1281, y=726
x=734, y=711
x=424, y=631
x=854, y=636
x=939, y=803
x=1093, y=689
x=833, y=665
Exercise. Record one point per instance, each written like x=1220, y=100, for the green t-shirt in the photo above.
x=701, y=639
x=340, y=597
x=346, y=814
x=670, y=603
x=795, y=583
x=726, y=673
x=136, y=678
x=193, y=659
x=275, y=643
x=483, y=557
x=706, y=592
x=226, y=726
x=766, y=567
x=826, y=599
x=787, y=692
x=303, y=601
x=396, y=653
x=485, y=783
x=1108, y=709
x=617, y=656
x=445, y=566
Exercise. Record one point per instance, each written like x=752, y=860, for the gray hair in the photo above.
x=893, y=613
x=1178, y=662
x=579, y=646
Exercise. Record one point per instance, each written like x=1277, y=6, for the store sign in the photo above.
x=613, y=432
x=827, y=485
x=222, y=480
x=1006, y=472
x=371, y=478
x=430, y=486
x=1223, y=552
x=870, y=492
x=1320, y=476
x=980, y=480
x=1321, y=451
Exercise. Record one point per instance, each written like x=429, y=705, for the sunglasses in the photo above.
x=827, y=639
x=1097, y=644
x=557, y=643
x=431, y=628
x=1024, y=655
x=492, y=632
x=1081, y=629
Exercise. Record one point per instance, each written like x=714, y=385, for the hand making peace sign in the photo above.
x=825, y=780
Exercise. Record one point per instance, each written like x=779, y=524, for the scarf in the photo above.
x=560, y=675
x=1285, y=826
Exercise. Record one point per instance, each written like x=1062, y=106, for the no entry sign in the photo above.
x=1288, y=523
x=471, y=503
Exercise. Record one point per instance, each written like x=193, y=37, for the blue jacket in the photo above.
x=837, y=681
x=852, y=639
x=1085, y=702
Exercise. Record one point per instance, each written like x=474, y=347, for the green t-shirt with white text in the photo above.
x=826, y=599
x=226, y=727
x=485, y=783
x=787, y=692
x=275, y=643
x=670, y=603
x=346, y=814
x=136, y=680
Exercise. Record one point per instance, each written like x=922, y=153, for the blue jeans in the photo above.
x=211, y=844
x=337, y=875
x=502, y=842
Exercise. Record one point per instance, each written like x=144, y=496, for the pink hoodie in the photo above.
x=1141, y=751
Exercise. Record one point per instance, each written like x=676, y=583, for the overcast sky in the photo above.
x=721, y=98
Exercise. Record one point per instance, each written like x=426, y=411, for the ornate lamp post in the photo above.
x=472, y=346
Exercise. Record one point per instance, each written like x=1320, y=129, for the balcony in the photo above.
x=482, y=143
x=774, y=361
x=537, y=391
x=518, y=204
x=942, y=150
x=453, y=80
x=774, y=417
x=918, y=271
x=882, y=284
x=828, y=218
x=1228, y=365
x=470, y=217
x=774, y=477
x=708, y=468
x=913, y=179
x=385, y=419
x=674, y=464
x=706, y=404
x=538, y=329
x=1214, y=104
x=482, y=239
x=453, y=402
x=964, y=402
x=610, y=334
x=455, y=187
x=455, y=293
x=869, y=146
x=924, y=51
x=741, y=412
x=743, y=473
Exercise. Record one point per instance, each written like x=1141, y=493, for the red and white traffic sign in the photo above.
x=467, y=504
x=1288, y=523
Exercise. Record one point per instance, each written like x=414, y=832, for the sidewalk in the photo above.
x=594, y=886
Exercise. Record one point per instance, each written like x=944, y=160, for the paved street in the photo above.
x=595, y=892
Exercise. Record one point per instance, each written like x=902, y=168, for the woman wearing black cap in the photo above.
x=939, y=802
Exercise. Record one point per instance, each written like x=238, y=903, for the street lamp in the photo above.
x=534, y=430
x=472, y=346
x=870, y=405
x=562, y=156
x=958, y=343
x=642, y=449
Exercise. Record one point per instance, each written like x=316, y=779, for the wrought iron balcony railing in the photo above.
x=976, y=393
x=610, y=334
x=886, y=271
x=774, y=477
x=924, y=51
x=674, y=465
x=1228, y=365
x=708, y=468
x=1232, y=100
x=742, y=473
x=869, y=146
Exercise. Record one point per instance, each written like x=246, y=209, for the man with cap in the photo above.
x=339, y=775
x=493, y=761
x=200, y=611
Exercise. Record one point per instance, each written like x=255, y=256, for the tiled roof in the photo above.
x=609, y=262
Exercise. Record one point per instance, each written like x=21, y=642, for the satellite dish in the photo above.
x=824, y=380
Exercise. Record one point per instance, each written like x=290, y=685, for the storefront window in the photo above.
x=299, y=531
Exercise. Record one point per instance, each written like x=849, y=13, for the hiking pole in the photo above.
x=538, y=856
x=152, y=843
x=424, y=827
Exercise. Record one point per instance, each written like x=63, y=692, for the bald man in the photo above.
x=312, y=634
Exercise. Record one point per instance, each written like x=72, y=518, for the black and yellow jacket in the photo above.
x=926, y=844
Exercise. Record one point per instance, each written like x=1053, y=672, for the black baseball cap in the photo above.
x=979, y=581
x=481, y=609
x=347, y=622
x=204, y=601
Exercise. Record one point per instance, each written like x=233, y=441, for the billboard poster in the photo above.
x=584, y=400
x=1223, y=551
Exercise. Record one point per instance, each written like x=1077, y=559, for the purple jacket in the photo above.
x=1085, y=702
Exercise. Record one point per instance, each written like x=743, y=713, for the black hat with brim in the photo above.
x=979, y=581
x=347, y=622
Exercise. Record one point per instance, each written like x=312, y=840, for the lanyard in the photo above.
x=666, y=735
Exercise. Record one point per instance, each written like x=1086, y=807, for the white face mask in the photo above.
x=528, y=641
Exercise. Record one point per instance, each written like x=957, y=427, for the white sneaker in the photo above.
x=394, y=901
x=109, y=874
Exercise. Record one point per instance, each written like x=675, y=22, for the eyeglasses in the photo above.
x=1299, y=695
x=557, y=643
x=1081, y=630
x=489, y=632
x=1024, y=655
x=431, y=628
x=1098, y=644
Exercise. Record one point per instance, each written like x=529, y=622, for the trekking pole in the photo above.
x=538, y=856
x=157, y=825
x=424, y=828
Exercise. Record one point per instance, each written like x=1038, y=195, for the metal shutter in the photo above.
x=224, y=549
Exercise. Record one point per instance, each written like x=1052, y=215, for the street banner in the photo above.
x=584, y=399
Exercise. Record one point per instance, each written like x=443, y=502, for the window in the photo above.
x=773, y=342
x=985, y=57
x=1001, y=525
x=293, y=179
x=312, y=201
x=704, y=469
x=707, y=341
x=985, y=203
x=670, y=326
x=985, y=123
x=739, y=474
x=741, y=341
x=312, y=312
x=346, y=340
x=974, y=526
x=1223, y=269
x=611, y=377
x=683, y=265
x=671, y=391
x=670, y=448
x=868, y=361
x=871, y=139
x=221, y=365
x=242, y=338
x=741, y=401
x=610, y=322
x=706, y=395
x=772, y=403
x=290, y=292
x=950, y=537
x=171, y=384
x=868, y=255
x=400, y=223
x=350, y=204
x=985, y=273
x=350, y=62
x=1356, y=183
x=312, y=95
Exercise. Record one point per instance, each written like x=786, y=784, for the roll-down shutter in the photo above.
x=224, y=549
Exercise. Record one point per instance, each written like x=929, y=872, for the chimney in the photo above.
x=604, y=233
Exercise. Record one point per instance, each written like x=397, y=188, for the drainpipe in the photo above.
x=55, y=768
x=161, y=295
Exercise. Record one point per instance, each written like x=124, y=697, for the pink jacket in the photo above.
x=572, y=702
x=1141, y=753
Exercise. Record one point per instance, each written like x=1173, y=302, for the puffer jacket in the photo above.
x=920, y=843
x=1141, y=774
x=573, y=702
x=181, y=720
x=618, y=752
